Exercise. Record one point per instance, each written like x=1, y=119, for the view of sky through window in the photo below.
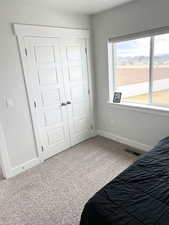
x=132, y=59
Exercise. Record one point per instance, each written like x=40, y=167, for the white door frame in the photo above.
x=4, y=158
x=23, y=31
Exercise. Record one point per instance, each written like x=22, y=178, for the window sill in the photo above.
x=163, y=111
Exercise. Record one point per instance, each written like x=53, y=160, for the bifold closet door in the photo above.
x=58, y=82
x=47, y=84
x=74, y=53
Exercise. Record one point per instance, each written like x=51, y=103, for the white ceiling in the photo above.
x=78, y=6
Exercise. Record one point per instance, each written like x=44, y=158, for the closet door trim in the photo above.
x=21, y=30
x=24, y=31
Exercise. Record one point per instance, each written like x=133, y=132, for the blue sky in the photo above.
x=141, y=47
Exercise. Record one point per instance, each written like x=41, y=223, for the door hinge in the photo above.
x=26, y=52
x=89, y=91
x=86, y=51
x=42, y=148
x=35, y=105
x=91, y=127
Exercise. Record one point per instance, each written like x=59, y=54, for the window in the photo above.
x=140, y=69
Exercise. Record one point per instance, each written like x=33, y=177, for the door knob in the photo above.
x=63, y=104
x=68, y=102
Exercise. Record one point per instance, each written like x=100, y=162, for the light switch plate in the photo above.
x=9, y=102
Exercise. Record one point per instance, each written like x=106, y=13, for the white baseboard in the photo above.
x=123, y=140
x=140, y=146
x=23, y=167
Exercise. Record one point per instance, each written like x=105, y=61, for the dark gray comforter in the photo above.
x=138, y=196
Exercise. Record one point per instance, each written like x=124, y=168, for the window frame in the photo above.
x=112, y=70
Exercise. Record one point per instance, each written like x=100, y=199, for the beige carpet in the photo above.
x=55, y=192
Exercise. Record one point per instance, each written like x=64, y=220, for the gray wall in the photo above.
x=16, y=121
x=130, y=18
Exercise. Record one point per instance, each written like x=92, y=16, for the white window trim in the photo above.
x=151, y=70
x=146, y=108
x=160, y=109
x=142, y=34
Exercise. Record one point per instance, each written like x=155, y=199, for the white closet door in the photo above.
x=46, y=77
x=77, y=89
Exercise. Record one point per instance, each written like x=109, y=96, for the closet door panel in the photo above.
x=46, y=77
x=77, y=89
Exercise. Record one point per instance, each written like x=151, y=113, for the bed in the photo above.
x=138, y=196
